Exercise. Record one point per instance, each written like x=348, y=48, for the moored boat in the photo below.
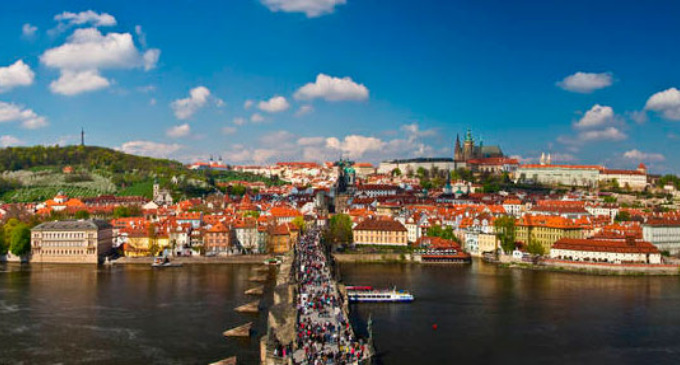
x=161, y=262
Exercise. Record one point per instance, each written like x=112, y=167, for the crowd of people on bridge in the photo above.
x=324, y=335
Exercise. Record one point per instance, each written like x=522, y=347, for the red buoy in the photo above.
x=434, y=326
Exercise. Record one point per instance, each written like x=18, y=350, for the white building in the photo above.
x=628, y=251
x=568, y=175
x=632, y=179
x=664, y=234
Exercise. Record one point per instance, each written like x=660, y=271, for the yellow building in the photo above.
x=547, y=230
x=487, y=242
x=383, y=231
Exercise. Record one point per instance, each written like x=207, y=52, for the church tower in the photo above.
x=458, y=150
x=469, y=146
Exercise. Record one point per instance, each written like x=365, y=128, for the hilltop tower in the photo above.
x=82, y=136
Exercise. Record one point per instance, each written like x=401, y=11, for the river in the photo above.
x=70, y=314
x=489, y=315
x=81, y=314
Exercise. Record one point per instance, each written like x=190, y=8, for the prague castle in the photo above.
x=478, y=158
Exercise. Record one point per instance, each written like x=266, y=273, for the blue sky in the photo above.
x=588, y=81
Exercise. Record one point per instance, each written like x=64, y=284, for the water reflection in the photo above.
x=485, y=314
x=132, y=314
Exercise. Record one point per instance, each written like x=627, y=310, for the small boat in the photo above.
x=364, y=294
x=272, y=261
x=161, y=262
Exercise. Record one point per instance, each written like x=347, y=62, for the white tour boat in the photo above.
x=363, y=294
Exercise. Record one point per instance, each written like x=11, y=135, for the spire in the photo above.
x=468, y=136
x=549, y=160
x=82, y=136
x=542, y=158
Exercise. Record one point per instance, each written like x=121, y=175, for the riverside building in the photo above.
x=71, y=241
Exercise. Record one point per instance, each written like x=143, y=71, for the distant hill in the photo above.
x=38, y=173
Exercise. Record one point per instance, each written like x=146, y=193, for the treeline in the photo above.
x=89, y=157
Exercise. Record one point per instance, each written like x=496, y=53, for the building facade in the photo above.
x=625, y=251
x=383, y=231
x=83, y=241
x=664, y=234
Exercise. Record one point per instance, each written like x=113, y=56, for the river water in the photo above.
x=489, y=315
x=62, y=314
x=81, y=314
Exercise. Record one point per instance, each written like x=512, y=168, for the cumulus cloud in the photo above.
x=14, y=75
x=597, y=116
x=638, y=155
x=311, y=8
x=86, y=17
x=586, y=82
x=87, y=51
x=28, y=30
x=141, y=36
x=187, y=107
x=239, y=121
x=7, y=141
x=274, y=105
x=257, y=118
x=73, y=82
x=304, y=110
x=607, y=134
x=311, y=141
x=178, y=131
x=148, y=148
x=248, y=104
x=413, y=131
x=228, y=130
x=332, y=89
x=27, y=117
x=355, y=146
x=666, y=102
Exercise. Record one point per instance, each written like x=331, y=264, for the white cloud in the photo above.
x=413, y=131
x=87, y=52
x=311, y=8
x=666, y=102
x=27, y=117
x=148, y=148
x=16, y=74
x=610, y=134
x=597, y=116
x=7, y=141
x=141, y=36
x=274, y=105
x=28, y=30
x=178, y=131
x=239, y=121
x=228, y=130
x=187, y=107
x=256, y=118
x=304, y=110
x=644, y=156
x=311, y=141
x=90, y=17
x=639, y=117
x=332, y=89
x=586, y=82
x=355, y=146
x=73, y=83
x=248, y=104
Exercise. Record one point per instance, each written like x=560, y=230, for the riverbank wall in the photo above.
x=189, y=260
x=373, y=257
x=594, y=268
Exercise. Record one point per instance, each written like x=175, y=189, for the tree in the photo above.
x=21, y=240
x=339, y=229
x=505, y=231
x=121, y=212
x=396, y=172
x=299, y=222
x=534, y=247
x=442, y=232
x=622, y=216
x=82, y=214
x=4, y=247
x=238, y=189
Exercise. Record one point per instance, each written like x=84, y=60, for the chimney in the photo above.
x=630, y=240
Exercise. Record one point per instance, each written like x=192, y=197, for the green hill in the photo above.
x=37, y=173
